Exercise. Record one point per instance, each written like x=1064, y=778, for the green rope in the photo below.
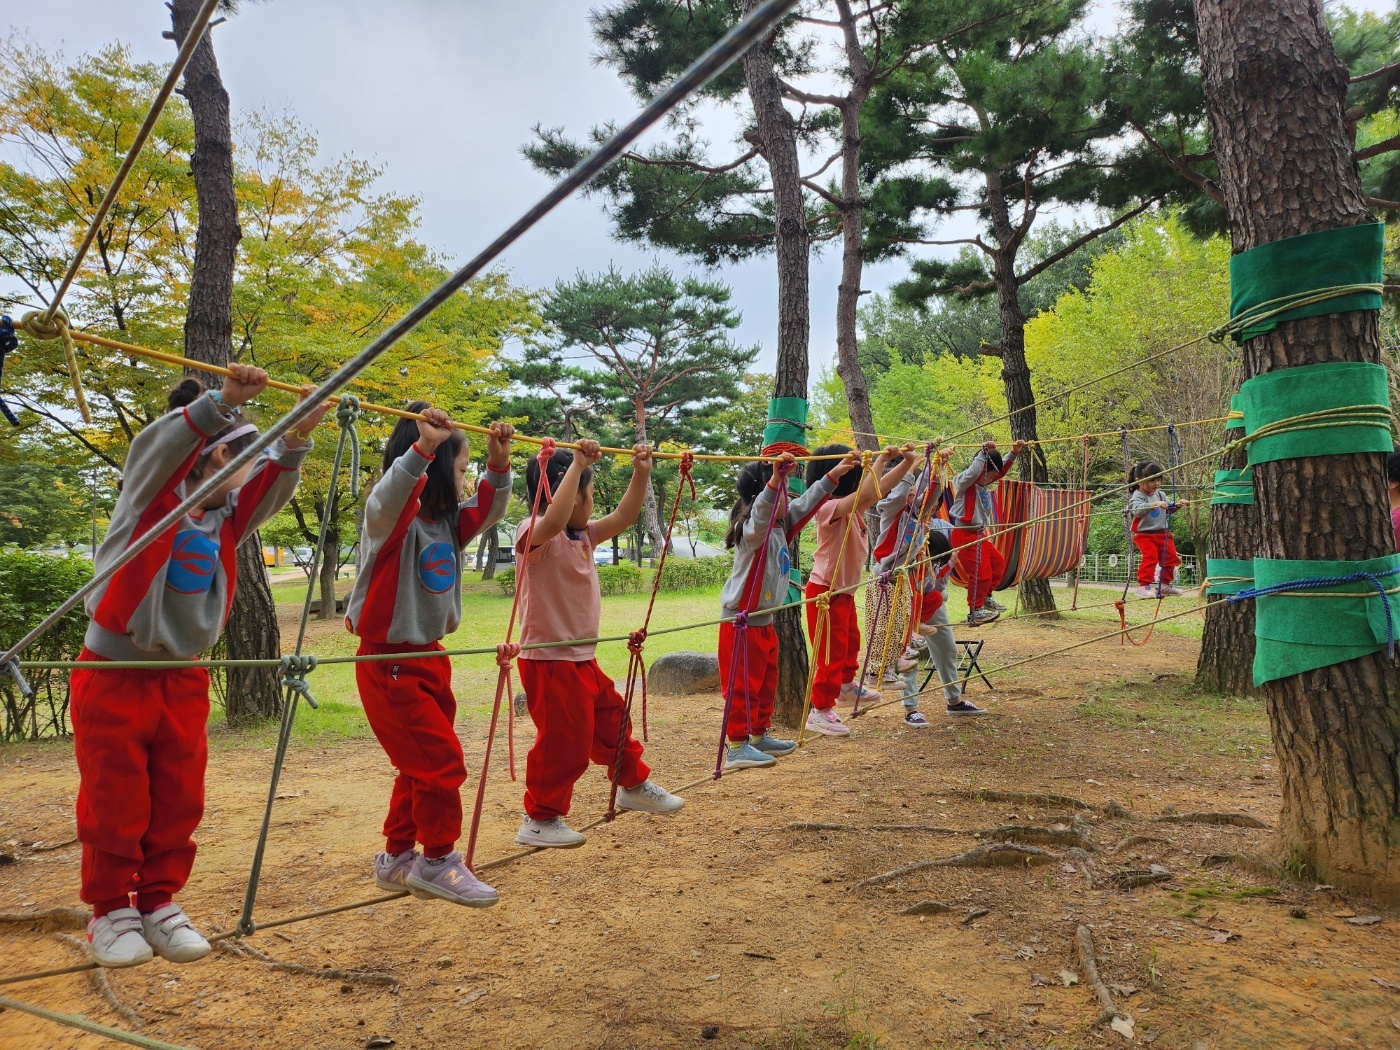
x=80, y=1022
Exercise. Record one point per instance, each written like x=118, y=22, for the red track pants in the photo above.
x=578, y=715
x=748, y=673
x=838, y=660
x=980, y=565
x=1157, y=548
x=141, y=742
x=411, y=709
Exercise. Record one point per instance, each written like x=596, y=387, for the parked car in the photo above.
x=602, y=555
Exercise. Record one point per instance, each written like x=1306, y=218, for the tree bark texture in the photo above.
x=776, y=139
x=852, y=236
x=1226, y=663
x=1015, y=373
x=1275, y=96
x=252, y=627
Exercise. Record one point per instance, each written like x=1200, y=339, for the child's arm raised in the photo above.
x=393, y=501
x=475, y=516
x=846, y=504
x=555, y=519
x=621, y=519
x=888, y=478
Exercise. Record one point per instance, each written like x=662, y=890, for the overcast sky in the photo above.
x=443, y=93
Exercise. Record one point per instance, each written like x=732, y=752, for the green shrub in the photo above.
x=622, y=579
x=693, y=574
x=505, y=579
x=30, y=586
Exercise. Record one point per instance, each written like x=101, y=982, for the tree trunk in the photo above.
x=1226, y=663
x=209, y=334
x=329, y=573
x=1275, y=96
x=491, y=541
x=1015, y=374
x=776, y=139
x=852, y=237
x=651, y=516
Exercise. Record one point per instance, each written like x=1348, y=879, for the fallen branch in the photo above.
x=42, y=847
x=1237, y=820
x=928, y=907
x=97, y=979
x=1115, y=809
x=805, y=825
x=995, y=855
x=1022, y=797
x=1035, y=834
x=328, y=973
x=49, y=919
x=1085, y=941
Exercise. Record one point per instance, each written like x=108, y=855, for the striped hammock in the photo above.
x=1050, y=547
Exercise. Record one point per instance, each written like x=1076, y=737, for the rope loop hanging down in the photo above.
x=46, y=329
x=347, y=414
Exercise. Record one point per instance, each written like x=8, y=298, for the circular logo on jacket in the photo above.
x=784, y=562
x=193, y=561
x=437, y=567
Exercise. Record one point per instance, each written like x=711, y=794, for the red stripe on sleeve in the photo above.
x=471, y=519
x=383, y=590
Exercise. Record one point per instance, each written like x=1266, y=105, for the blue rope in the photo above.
x=1374, y=578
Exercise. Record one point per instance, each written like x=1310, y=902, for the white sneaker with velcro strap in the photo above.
x=115, y=939
x=172, y=936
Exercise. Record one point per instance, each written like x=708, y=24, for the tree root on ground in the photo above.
x=1036, y=835
x=929, y=907
x=1108, y=1010
x=50, y=919
x=1249, y=862
x=804, y=825
x=97, y=979
x=1236, y=820
x=1022, y=797
x=994, y=855
x=1133, y=878
x=1115, y=809
x=247, y=951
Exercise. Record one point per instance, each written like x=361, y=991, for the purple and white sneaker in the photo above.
x=915, y=718
x=451, y=880
x=391, y=872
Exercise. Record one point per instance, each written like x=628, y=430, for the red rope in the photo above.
x=1083, y=525
x=506, y=652
x=1123, y=623
x=636, y=664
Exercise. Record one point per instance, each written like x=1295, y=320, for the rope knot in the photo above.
x=824, y=601
x=741, y=621
x=784, y=468
x=547, y=448
x=45, y=329
x=636, y=640
x=347, y=413
x=295, y=668
x=688, y=465
x=506, y=652
x=884, y=580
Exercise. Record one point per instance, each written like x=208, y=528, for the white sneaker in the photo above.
x=549, y=833
x=172, y=936
x=647, y=797
x=827, y=722
x=891, y=678
x=115, y=939
x=1146, y=591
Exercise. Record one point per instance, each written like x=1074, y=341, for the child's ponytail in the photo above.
x=1132, y=477
x=748, y=484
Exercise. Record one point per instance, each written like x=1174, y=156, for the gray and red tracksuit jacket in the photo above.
x=747, y=591
x=973, y=507
x=409, y=590
x=900, y=527
x=172, y=599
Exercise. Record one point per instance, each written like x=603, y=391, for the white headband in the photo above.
x=236, y=432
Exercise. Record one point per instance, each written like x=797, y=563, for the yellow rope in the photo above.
x=44, y=328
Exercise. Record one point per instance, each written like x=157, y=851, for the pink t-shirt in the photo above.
x=831, y=530
x=1395, y=526
x=559, y=594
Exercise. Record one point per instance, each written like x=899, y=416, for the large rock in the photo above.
x=684, y=672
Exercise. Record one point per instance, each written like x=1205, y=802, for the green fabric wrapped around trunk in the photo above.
x=1233, y=486
x=1229, y=575
x=1349, y=402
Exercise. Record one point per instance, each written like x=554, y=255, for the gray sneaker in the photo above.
x=450, y=880
x=647, y=797
x=993, y=604
x=771, y=745
x=746, y=756
x=391, y=872
x=983, y=615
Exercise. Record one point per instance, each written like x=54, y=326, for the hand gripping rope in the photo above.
x=636, y=641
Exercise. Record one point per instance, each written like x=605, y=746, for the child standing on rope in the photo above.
x=935, y=626
x=140, y=736
x=576, y=709
x=406, y=599
x=1151, y=516
x=973, y=512
x=836, y=566
x=761, y=524
x=905, y=514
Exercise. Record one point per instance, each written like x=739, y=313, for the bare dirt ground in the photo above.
x=721, y=928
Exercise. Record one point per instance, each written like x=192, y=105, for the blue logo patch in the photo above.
x=784, y=562
x=193, y=561
x=437, y=567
